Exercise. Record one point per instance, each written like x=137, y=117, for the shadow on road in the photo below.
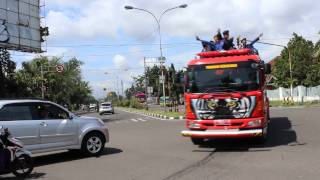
x=68, y=156
x=59, y=158
x=280, y=134
x=34, y=175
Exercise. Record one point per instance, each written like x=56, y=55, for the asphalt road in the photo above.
x=146, y=148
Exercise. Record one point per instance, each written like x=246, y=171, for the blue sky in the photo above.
x=108, y=38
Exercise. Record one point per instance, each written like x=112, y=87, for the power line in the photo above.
x=121, y=45
x=61, y=44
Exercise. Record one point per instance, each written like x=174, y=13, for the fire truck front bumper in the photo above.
x=232, y=133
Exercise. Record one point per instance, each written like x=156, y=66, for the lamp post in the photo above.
x=158, y=20
x=116, y=83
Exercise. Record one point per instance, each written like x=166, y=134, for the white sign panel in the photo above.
x=162, y=79
x=150, y=89
x=20, y=25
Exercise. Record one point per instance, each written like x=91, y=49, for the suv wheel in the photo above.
x=93, y=144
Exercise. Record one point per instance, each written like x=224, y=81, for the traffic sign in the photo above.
x=60, y=68
x=150, y=89
x=162, y=59
x=162, y=79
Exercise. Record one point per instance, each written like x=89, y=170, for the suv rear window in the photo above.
x=106, y=104
x=15, y=112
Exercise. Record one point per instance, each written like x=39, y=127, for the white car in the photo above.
x=44, y=126
x=106, y=107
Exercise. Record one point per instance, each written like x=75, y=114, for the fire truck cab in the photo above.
x=225, y=96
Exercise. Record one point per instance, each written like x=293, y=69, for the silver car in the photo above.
x=44, y=126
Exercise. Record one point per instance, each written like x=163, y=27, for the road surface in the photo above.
x=144, y=148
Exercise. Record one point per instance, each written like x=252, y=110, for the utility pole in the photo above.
x=123, y=95
x=145, y=81
x=42, y=83
x=158, y=20
x=291, y=77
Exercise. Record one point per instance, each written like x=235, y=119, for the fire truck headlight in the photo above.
x=253, y=123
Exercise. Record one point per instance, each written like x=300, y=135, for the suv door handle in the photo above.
x=44, y=124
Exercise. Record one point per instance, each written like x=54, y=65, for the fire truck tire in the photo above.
x=263, y=138
x=197, y=141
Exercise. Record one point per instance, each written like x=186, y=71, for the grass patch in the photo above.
x=288, y=104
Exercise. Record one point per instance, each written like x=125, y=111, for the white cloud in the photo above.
x=120, y=62
x=94, y=19
x=104, y=19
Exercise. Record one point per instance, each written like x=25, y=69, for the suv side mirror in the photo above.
x=267, y=68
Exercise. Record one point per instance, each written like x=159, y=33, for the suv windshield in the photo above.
x=241, y=76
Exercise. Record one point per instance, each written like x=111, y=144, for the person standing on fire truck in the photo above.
x=216, y=44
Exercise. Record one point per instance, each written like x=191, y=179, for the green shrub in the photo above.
x=134, y=103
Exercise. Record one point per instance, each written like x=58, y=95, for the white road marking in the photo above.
x=134, y=120
x=143, y=120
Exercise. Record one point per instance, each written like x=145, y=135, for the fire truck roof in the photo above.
x=215, y=57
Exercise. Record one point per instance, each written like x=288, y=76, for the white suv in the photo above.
x=45, y=126
x=106, y=107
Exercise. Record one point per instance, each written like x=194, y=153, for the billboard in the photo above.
x=20, y=25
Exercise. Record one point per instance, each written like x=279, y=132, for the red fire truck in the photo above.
x=225, y=96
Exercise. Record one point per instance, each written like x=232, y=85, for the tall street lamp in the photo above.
x=158, y=20
x=116, y=83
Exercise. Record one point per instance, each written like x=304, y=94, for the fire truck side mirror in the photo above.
x=267, y=68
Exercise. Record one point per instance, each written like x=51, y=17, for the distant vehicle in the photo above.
x=44, y=126
x=92, y=107
x=141, y=97
x=106, y=107
x=226, y=96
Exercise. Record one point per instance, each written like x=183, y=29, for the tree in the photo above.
x=152, y=74
x=313, y=77
x=302, y=52
x=7, y=79
x=66, y=87
x=112, y=96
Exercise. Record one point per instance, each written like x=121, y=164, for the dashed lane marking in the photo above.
x=143, y=120
x=134, y=120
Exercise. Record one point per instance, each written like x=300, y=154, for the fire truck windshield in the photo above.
x=240, y=76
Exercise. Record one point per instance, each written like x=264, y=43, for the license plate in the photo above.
x=223, y=122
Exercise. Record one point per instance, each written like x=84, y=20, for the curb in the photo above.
x=153, y=114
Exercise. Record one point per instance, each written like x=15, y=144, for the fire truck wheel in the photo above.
x=262, y=139
x=197, y=141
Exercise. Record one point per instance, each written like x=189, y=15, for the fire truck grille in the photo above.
x=228, y=108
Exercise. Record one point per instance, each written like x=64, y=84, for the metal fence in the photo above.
x=299, y=94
